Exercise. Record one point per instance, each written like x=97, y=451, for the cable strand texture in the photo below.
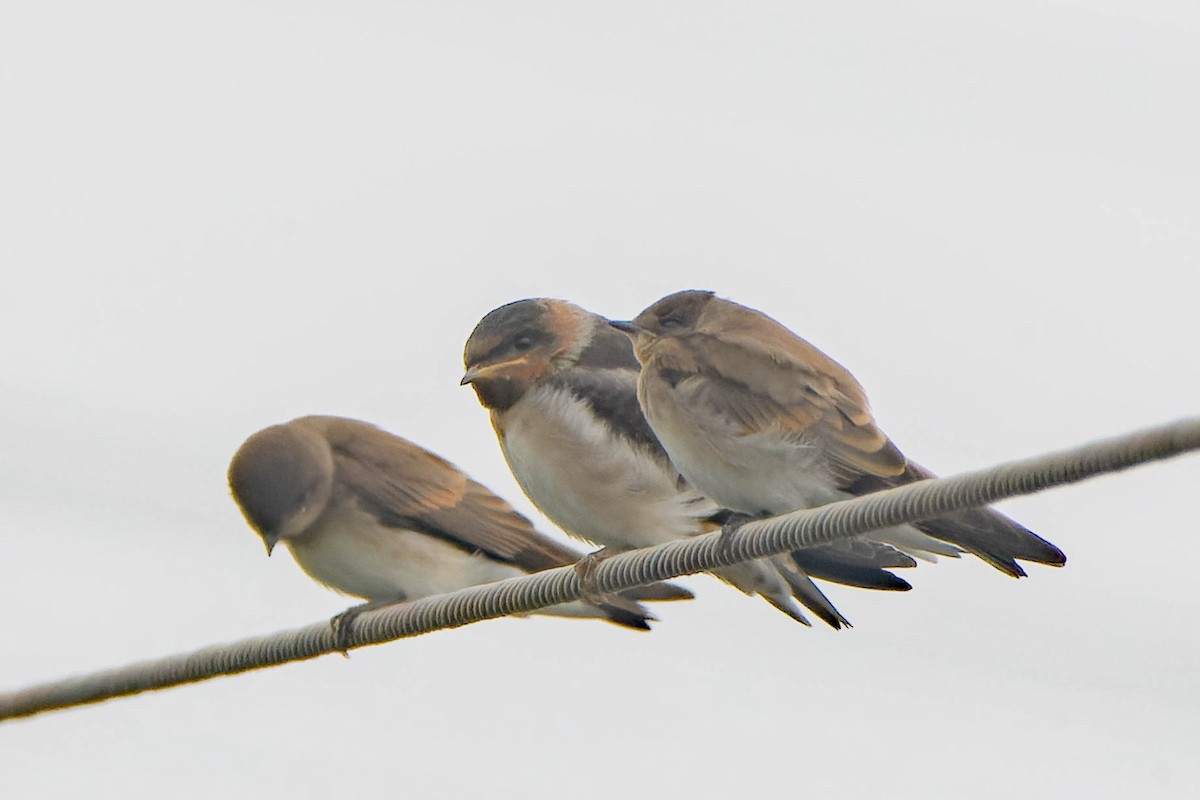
x=755, y=539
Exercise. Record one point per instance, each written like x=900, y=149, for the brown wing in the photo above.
x=788, y=388
x=407, y=486
x=767, y=380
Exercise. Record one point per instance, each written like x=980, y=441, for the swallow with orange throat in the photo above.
x=560, y=385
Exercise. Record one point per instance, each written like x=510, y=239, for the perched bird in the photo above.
x=765, y=423
x=561, y=387
x=375, y=516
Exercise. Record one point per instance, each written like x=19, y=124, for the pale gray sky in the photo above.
x=219, y=217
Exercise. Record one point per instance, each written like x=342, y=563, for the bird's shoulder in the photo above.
x=610, y=395
x=408, y=487
x=765, y=380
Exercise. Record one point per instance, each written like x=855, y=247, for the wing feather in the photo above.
x=407, y=486
x=787, y=394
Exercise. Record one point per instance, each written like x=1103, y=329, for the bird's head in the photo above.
x=517, y=344
x=282, y=479
x=674, y=315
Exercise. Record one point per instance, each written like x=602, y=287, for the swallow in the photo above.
x=560, y=385
x=765, y=423
x=372, y=515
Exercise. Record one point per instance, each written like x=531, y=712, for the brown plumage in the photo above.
x=560, y=385
x=375, y=516
x=764, y=422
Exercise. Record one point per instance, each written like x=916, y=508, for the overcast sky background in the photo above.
x=220, y=217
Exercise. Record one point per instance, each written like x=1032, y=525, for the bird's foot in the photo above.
x=585, y=568
x=341, y=625
x=730, y=526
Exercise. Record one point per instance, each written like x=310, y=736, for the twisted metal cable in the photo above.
x=755, y=539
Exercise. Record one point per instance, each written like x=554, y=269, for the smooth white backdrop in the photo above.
x=218, y=217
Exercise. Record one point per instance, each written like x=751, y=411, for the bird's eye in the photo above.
x=671, y=321
x=523, y=342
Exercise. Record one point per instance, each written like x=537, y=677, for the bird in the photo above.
x=375, y=516
x=560, y=386
x=765, y=423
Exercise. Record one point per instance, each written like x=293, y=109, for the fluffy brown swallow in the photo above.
x=561, y=388
x=765, y=423
x=375, y=516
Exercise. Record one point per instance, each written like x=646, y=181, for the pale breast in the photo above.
x=591, y=481
x=753, y=474
x=348, y=550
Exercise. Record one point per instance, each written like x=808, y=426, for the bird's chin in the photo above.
x=642, y=338
x=498, y=394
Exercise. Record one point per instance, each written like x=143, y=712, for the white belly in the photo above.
x=756, y=474
x=350, y=552
x=591, y=482
x=760, y=474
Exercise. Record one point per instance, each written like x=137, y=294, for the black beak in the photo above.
x=625, y=326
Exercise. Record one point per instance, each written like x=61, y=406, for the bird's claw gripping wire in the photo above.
x=732, y=523
x=585, y=568
x=341, y=625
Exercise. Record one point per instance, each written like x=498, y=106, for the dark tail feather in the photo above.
x=995, y=538
x=988, y=534
x=623, y=608
x=626, y=619
x=804, y=590
x=794, y=576
x=658, y=592
x=857, y=562
x=788, y=607
x=623, y=611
